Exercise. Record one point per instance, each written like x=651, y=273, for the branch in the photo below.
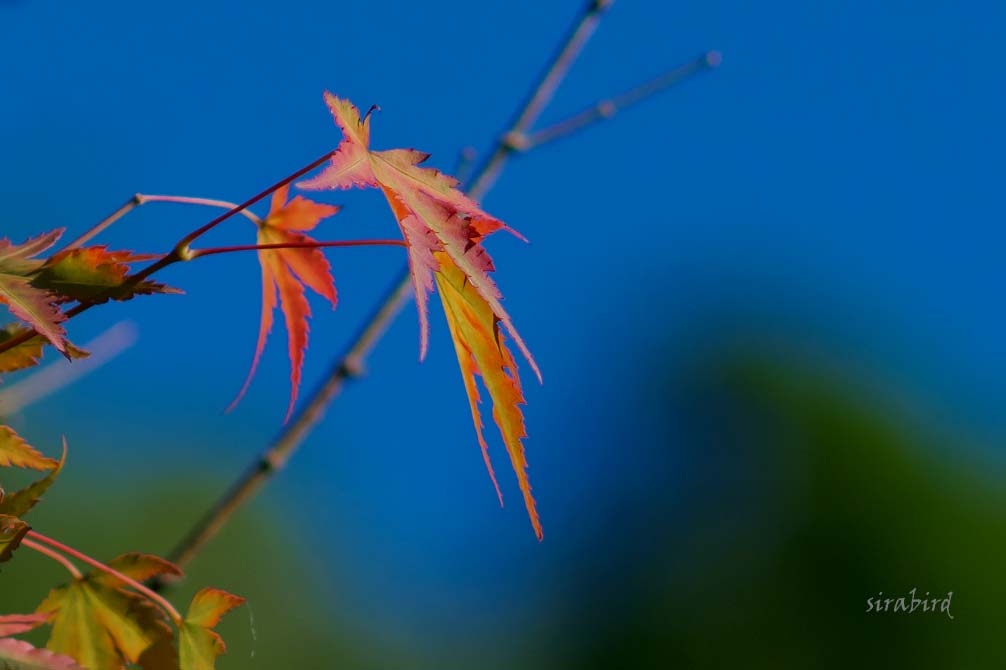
x=127, y=207
x=273, y=460
x=199, y=253
x=54, y=555
x=488, y=172
x=207, y=202
x=607, y=108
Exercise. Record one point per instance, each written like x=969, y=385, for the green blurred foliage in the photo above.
x=261, y=556
x=820, y=494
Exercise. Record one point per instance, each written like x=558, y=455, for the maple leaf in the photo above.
x=33, y=305
x=101, y=624
x=198, y=644
x=95, y=274
x=12, y=624
x=20, y=502
x=288, y=271
x=481, y=351
x=14, y=451
x=433, y=214
x=19, y=655
x=12, y=531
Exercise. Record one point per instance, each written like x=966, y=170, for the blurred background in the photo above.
x=766, y=304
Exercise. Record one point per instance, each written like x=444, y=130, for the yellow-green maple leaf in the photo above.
x=198, y=644
x=101, y=624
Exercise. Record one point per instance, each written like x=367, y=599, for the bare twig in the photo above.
x=199, y=253
x=607, y=108
x=488, y=172
x=350, y=365
x=287, y=442
x=95, y=230
x=54, y=555
x=143, y=199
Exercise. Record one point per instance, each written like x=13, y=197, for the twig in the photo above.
x=54, y=555
x=95, y=230
x=488, y=172
x=607, y=108
x=199, y=253
x=287, y=442
x=143, y=199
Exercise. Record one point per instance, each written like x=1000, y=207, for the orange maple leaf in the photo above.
x=444, y=230
x=288, y=271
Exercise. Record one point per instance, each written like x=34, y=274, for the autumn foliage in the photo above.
x=107, y=618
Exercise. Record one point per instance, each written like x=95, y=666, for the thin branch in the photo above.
x=273, y=460
x=351, y=363
x=540, y=95
x=95, y=230
x=198, y=253
x=207, y=202
x=607, y=108
x=141, y=199
x=54, y=555
x=129, y=581
x=199, y=232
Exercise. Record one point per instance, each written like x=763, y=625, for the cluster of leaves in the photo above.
x=443, y=231
x=105, y=619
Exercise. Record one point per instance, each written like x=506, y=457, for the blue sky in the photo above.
x=844, y=165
